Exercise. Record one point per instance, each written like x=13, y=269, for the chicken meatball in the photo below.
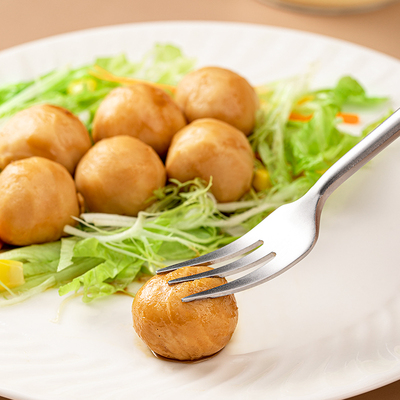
x=46, y=131
x=212, y=148
x=213, y=92
x=118, y=175
x=142, y=111
x=38, y=198
x=178, y=330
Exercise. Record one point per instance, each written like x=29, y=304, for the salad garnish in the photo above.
x=297, y=137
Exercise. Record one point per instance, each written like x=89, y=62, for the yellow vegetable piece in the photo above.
x=81, y=85
x=306, y=99
x=261, y=180
x=11, y=274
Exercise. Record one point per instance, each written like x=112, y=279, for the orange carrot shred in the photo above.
x=299, y=117
x=103, y=74
x=349, y=118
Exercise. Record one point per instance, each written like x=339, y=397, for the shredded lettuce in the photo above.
x=290, y=149
x=106, y=253
x=81, y=93
x=95, y=282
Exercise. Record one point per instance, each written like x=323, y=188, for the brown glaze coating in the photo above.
x=142, y=111
x=46, y=131
x=118, y=175
x=209, y=147
x=213, y=92
x=178, y=330
x=38, y=198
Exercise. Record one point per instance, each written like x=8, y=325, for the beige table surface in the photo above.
x=26, y=20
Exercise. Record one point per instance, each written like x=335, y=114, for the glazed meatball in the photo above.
x=46, y=131
x=212, y=148
x=38, y=198
x=142, y=111
x=118, y=175
x=213, y=92
x=178, y=330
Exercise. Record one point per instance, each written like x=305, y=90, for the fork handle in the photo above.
x=357, y=157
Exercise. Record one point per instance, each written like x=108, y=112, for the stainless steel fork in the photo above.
x=289, y=233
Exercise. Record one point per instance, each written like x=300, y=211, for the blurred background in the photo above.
x=371, y=23
x=25, y=20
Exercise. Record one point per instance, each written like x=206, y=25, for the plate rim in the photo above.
x=115, y=27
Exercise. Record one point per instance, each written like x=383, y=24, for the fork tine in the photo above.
x=238, y=247
x=257, y=257
x=254, y=278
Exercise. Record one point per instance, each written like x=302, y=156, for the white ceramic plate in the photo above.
x=327, y=329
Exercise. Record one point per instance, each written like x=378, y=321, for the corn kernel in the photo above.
x=11, y=274
x=261, y=180
x=82, y=85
